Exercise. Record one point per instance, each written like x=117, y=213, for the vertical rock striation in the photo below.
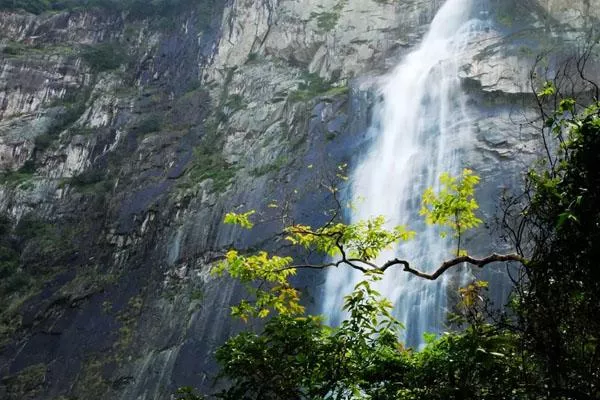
x=124, y=138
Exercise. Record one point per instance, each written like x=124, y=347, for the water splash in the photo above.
x=420, y=130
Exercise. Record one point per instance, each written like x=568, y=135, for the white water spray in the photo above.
x=420, y=130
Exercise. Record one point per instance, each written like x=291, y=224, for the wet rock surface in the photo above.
x=124, y=141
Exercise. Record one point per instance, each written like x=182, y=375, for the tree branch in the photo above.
x=446, y=265
x=328, y=265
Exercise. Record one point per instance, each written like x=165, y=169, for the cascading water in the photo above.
x=420, y=130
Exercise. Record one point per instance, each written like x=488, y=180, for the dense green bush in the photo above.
x=87, y=178
x=104, y=56
x=149, y=125
x=30, y=227
x=74, y=105
x=20, y=176
x=12, y=50
x=43, y=141
x=9, y=261
x=312, y=85
x=12, y=278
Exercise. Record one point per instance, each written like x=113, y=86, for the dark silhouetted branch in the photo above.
x=446, y=265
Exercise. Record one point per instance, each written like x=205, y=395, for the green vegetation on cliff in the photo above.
x=104, y=56
x=136, y=8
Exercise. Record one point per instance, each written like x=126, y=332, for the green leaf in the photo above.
x=454, y=206
x=242, y=220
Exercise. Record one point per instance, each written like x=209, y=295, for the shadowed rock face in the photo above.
x=123, y=142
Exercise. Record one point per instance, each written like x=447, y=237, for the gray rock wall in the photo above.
x=124, y=141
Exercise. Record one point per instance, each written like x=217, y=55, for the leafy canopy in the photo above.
x=363, y=240
x=358, y=245
x=455, y=205
x=298, y=357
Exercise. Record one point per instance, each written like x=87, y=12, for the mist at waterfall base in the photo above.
x=420, y=129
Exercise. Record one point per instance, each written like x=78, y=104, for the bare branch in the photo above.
x=446, y=265
x=478, y=262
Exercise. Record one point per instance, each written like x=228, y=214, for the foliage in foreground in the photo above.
x=558, y=302
x=356, y=245
x=300, y=358
x=544, y=347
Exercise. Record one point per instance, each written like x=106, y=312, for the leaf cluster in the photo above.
x=267, y=277
x=357, y=245
x=454, y=205
x=363, y=240
x=254, y=272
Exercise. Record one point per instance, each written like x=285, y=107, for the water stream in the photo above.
x=420, y=130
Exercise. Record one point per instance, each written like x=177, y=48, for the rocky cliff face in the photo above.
x=124, y=140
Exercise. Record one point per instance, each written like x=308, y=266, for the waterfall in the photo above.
x=420, y=130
